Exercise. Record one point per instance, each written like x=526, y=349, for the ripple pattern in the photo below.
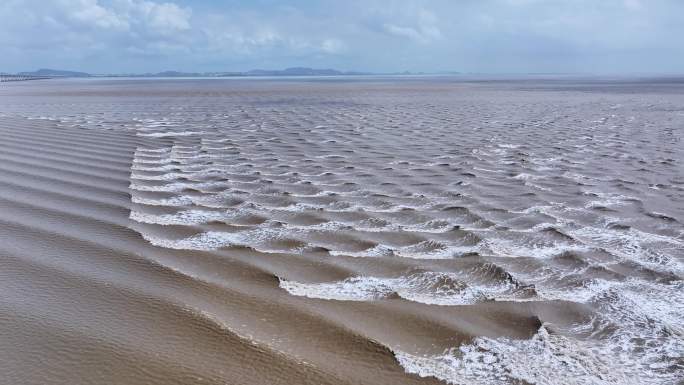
x=428, y=199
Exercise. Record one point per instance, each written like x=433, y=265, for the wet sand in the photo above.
x=358, y=231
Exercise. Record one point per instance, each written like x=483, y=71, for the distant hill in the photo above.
x=174, y=74
x=51, y=72
x=293, y=71
x=302, y=71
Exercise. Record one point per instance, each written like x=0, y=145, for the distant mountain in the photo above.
x=174, y=74
x=293, y=71
x=61, y=73
x=302, y=71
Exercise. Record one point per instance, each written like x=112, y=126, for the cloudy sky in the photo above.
x=484, y=36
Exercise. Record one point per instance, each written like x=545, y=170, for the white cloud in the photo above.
x=420, y=35
x=333, y=46
x=420, y=27
x=230, y=39
x=633, y=5
x=159, y=18
x=89, y=12
x=92, y=26
x=375, y=35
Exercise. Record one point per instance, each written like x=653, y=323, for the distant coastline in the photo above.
x=293, y=71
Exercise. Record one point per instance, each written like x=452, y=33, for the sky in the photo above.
x=470, y=36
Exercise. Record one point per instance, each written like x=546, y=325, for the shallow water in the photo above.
x=559, y=204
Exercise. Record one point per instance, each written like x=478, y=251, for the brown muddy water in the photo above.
x=342, y=231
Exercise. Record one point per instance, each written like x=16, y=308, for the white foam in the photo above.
x=508, y=145
x=169, y=187
x=323, y=226
x=431, y=226
x=187, y=217
x=350, y=289
x=152, y=150
x=434, y=288
x=508, y=248
x=170, y=134
x=639, y=324
x=139, y=160
x=546, y=358
x=213, y=240
x=175, y=201
x=538, y=187
x=177, y=186
x=375, y=251
x=608, y=200
x=635, y=245
x=164, y=167
x=165, y=177
x=526, y=176
x=445, y=251
x=202, y=241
